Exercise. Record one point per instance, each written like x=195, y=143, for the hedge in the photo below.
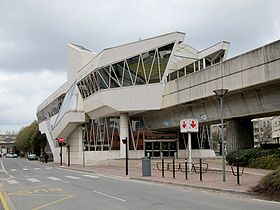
x=249, y=157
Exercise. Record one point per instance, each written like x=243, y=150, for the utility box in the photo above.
x=146, y=166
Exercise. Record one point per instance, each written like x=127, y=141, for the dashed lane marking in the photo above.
x=53, y=178
x=13, y=169
x=72, y=177
x=91, y=176
x=12, y=181
x=109, y=196
x=33, y=180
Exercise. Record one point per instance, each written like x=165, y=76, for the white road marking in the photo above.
x=33, y=180
x=110, y=196
x=13, y=169
x=274, y=202
x=37, y=169
x=72, y=177
x=11, y=181
x=91, y=176
x=25, y=169
x=2, y=166
x=53, y=178
x=4, y=170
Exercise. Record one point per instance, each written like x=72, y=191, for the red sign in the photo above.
x=60, y=140
x=189, y=125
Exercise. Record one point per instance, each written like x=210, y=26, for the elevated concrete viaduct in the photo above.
x=253, y=80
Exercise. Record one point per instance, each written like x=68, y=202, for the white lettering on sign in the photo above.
x=188, y=125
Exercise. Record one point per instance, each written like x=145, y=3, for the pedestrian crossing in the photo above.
x=64, y=178
x=29, y=169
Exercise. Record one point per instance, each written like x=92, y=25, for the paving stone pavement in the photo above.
x=211, y=180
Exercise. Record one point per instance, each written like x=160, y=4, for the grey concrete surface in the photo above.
x=33, y=185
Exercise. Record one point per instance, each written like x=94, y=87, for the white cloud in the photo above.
x=21, y=93
x=34, y=36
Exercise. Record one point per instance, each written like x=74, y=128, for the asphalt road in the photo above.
x=33, y=185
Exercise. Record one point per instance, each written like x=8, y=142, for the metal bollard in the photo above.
x=237, y=173
x=186, y=168
x=200, y=169
x=162, y=167
x=237, y=167
x=173, y=168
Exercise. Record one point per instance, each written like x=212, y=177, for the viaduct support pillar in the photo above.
x=239, y=134
x=123, y=133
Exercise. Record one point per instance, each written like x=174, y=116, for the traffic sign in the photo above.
x=189, y=125
x=60, y=140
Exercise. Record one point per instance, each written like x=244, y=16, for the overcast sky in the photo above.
x=34, y=35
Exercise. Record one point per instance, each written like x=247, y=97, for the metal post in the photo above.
x=223, y=141
x=190, y=151
x=200, y=169
x=173, y=168
x=68, y=148
x=186, y=168
x=84, y=162
x=238, y=180
x=220, y=93
x=162, y=166
x=126, y=157
x=60, y=154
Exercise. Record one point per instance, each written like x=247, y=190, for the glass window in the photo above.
x=164, y=55
x=148, y=59
x=115, y=75
x=173, y=75
x=141, y=74
x=190, y=68
x=155, y=76
x=181, y=72
x=127, y=78
x=104, y=77
x=100, y=80
x=133, y=64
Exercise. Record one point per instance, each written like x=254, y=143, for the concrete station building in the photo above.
x=127, y=92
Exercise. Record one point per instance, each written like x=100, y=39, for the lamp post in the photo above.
x=221, y=93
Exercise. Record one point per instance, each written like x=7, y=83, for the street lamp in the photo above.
x=220, y=93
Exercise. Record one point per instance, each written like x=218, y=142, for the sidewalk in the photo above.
x=212, y=180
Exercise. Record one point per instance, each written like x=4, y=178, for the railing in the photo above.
x=182, y=167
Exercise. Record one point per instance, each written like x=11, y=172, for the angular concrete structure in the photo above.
x=141, y=91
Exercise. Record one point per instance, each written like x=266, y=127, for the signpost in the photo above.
x=61, y=141
x=189, y=126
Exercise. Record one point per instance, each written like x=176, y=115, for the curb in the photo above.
x=194, y=186
x=170, y=183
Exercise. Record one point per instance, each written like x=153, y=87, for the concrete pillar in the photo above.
x=239, y=134
x=123, y=133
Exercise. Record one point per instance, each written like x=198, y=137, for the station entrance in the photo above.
x=155, y=147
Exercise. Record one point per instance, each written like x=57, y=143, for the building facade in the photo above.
x=7, y=143
x=106, y=94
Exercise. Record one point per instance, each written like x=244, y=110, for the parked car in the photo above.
x=9, y=155
x=32, y=157
x=15, y=155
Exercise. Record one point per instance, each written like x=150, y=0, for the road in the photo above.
x=33, y=185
